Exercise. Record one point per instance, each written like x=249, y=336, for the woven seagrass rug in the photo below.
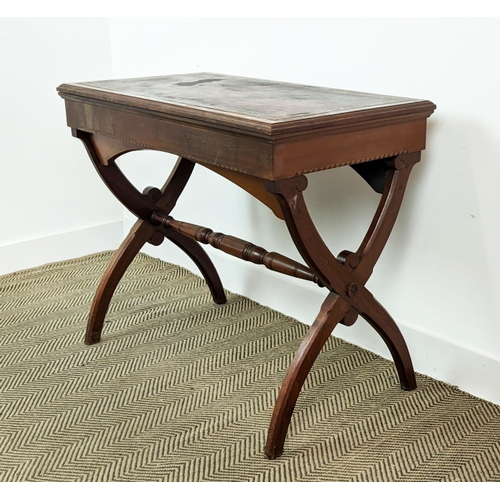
x=182, y=390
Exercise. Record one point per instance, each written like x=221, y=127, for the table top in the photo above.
x=251, y=104
x=262, y=128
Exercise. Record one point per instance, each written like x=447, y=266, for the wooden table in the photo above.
x=265, y=137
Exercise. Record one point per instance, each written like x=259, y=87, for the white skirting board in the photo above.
x=473, y=372
x=57, y=247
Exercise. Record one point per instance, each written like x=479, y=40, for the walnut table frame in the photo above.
x=264, y=136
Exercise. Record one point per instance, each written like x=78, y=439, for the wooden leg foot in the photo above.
x=332, y=312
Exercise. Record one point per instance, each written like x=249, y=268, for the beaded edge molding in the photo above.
x=236, y=169
x=354, y=162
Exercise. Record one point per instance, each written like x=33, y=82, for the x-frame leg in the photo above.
x=345, y=277
x=143, y=205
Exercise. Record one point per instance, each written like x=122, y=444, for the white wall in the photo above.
x=53, y=206
x=439, y=275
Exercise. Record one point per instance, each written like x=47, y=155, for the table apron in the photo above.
x=264, y=158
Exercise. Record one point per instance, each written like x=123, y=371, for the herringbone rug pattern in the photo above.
x=181, y=389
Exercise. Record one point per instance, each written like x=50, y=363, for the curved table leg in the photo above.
x=332, y=311
x=376, y=315
x=143, y=205
x=348, y=279
x=195, y=251
x=140, y=233
x=345, y=278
